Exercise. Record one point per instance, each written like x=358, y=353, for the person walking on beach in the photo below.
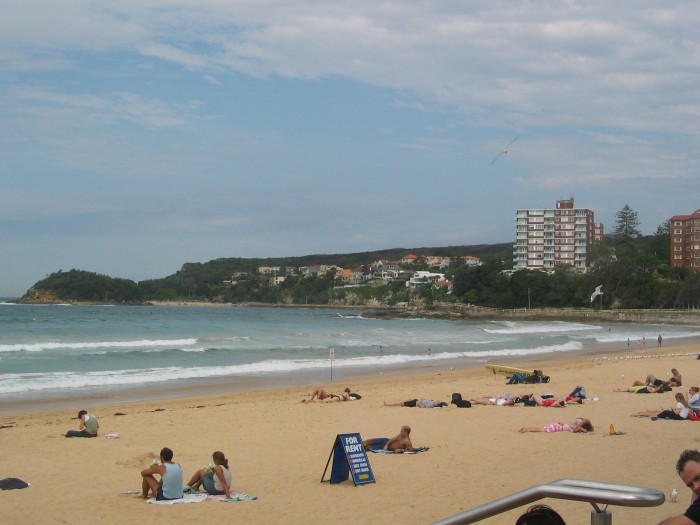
x=688, y=468
x=170, y=484
x=88, y=426
x=659, y=339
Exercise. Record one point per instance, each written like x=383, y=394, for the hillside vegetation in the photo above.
x=634, y=273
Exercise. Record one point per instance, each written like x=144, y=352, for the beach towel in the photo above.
x=235, y=496
x=416, y=450
x=186, y=498
x=13, y=483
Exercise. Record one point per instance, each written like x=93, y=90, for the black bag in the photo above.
x=461, y=403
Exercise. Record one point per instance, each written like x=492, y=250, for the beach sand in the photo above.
x=278, y=448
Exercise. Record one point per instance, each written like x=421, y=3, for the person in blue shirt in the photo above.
x=170, y=484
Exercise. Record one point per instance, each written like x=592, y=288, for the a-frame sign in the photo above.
x=349, y=457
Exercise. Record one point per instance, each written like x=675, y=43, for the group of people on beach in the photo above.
x=215, y=479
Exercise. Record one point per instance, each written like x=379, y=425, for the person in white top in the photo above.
x=681, y=412
x=217, y=480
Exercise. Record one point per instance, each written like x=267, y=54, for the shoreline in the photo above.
x=278, y=447
x=225, y=386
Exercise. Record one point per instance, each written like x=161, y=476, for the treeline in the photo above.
x=633, y=271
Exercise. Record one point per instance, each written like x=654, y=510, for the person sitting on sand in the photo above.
x=694, y=398
x=319, y=394
x=216, y=480
x=642, y=389
x=399, y=443
x=680, y=413
x=170, y=484
x=675, y=379
x=578, y=425
x=536, y=377
x=88, y=426
x=420, y=403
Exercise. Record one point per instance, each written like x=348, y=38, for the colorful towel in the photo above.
x=186, y=498
x=235, y=496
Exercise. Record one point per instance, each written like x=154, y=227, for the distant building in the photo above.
x=685, y=240
x=546, y=238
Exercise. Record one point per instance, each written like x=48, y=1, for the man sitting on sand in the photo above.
x=399, y=443
x=420, y=403
x=170, y=484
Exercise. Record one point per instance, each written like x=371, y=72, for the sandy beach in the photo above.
x=278, y=448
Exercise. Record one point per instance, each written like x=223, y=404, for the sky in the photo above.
x=138, y=135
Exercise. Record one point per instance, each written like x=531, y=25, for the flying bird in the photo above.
x=505, y=150
x=596, y=293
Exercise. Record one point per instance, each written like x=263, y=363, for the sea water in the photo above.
x=48, y=352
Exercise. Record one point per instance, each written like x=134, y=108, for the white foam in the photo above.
x=41, y=347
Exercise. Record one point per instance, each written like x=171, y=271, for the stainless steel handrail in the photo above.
x=593, y=492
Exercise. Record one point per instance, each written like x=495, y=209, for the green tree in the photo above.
x=627, y=223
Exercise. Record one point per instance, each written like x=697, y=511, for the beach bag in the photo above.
x=459, y=402
x=579, y=391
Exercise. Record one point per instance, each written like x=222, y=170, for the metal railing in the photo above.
x=593, y=492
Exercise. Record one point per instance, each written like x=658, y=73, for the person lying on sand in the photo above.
x=501, y=401
x=420, y=403
x=399, y=443
x=641, y=389
x=578, y=425
x=319, y=394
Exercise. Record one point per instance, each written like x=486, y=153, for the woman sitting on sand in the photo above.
x=681, y=412
x=676, y=379
x=215, y=479
x=578, y=425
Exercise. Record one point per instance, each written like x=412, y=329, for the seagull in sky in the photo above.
x=505, y=150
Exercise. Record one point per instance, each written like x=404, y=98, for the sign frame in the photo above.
x=349, y=458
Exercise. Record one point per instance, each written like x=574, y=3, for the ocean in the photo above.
x=54, y=352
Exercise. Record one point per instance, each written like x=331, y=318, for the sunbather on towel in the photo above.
x=578, y=425
x=88, y=426
x=399, y=443
x=420, y=403
x=170, y=484
x=319, y=394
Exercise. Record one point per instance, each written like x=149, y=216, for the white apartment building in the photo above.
x=546, y=238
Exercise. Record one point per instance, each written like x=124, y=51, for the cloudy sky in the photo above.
x=136, y=136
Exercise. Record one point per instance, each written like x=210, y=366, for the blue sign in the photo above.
x=349, y=457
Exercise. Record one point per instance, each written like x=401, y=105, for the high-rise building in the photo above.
x=547, y=238
x=685, y=240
